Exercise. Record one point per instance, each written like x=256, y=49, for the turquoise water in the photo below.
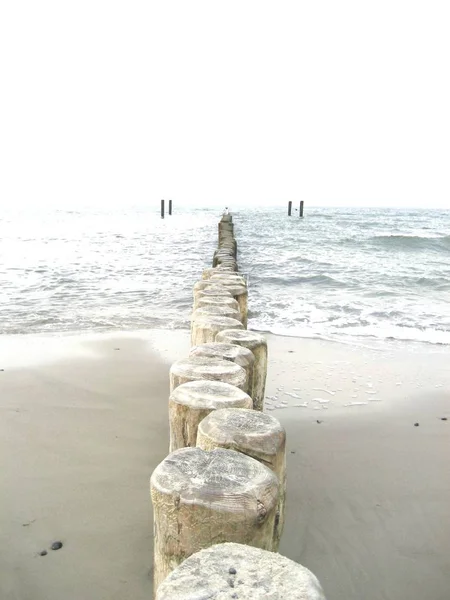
x=338, y=273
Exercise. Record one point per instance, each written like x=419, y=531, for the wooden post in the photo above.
x=215, y=291
x=217, y=311
x=254, y=573
x=221, y=269
x=208, y=284
x=237, y=290
x=301, y=208
x=224, y=254
x=206, y=327
x=220, y=278
x=196, y=368
x=216, y=300
x=289, y=208
x=162, y=209
x=255, y=434
x=170, y=207
x=204, y=498
x=238, y=354
x=257, y=343
x=191, y=402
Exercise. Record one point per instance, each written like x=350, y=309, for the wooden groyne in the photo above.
x=221, y=490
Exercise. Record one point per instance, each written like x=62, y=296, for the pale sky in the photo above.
x=213, y=103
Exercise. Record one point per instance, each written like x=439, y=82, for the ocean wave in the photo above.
x=437, y=283
x=317, y=215
x=319, y=280
x=429, y=335
x=363, y=332
x=413, y=242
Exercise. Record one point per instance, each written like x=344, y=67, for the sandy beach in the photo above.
x=84, y=423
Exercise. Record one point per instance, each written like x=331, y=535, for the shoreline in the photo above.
x=355, y=342
x=338, y=375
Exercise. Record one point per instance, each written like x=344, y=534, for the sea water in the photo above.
x=343, y=274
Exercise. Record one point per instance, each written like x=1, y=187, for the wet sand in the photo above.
x=368, y=506
x=84, y=423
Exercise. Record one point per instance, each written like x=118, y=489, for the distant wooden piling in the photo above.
x=162, y=209
x=289, y=208
x=170, y=207
x=301, y=208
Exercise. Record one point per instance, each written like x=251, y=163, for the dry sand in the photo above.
x=84, y=423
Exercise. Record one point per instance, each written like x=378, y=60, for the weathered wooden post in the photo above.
x=162, y=209
x=220, y=278
x=207, y=284
x=257, y=343
x=170, y=207
x=217, y=301
x=218, y=311
x=206, y=274
x=191, y=402
x=197, y=368
x=301, y=208
x=220, y=269
x=222, y=262
x=239, y=571
x=206, y=327
x=204, y=498
x=211, y=293
x=289, y=208
x=255, y=434
x=238, y=354
x=207, y=287
x=237, y=290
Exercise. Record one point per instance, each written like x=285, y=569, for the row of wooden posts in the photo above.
x=219, y=496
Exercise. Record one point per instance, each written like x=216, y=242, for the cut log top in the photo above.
x=214, y=291
x=238, y=354
x=242, y=429
x=219, y=278
x=226, y=571
x=235, y=289
x=216, y=310
x=249, y=339
x=210, y=395
x=223, y=480
x=206, y=274
x=207, y=284
x=217, y=322
x=196, y=367
x=209, y=300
